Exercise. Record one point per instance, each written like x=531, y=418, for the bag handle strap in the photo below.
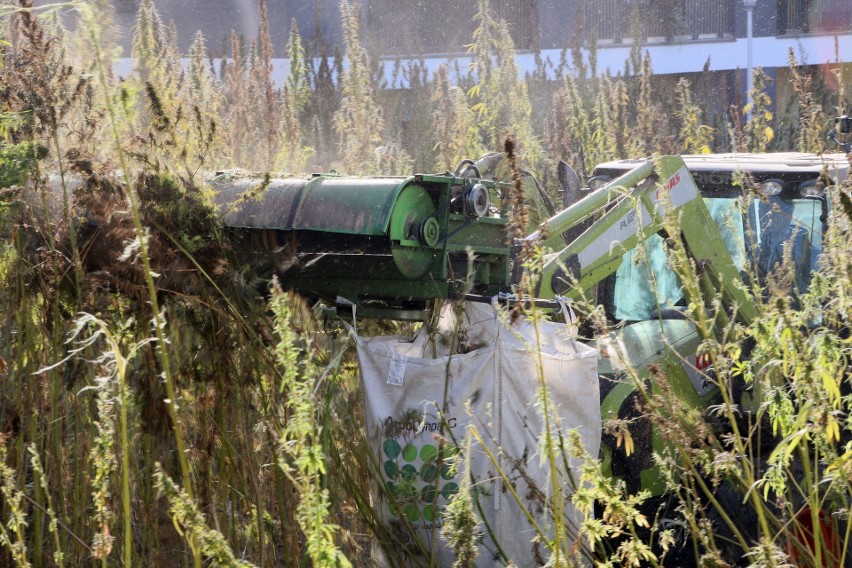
x=567, y=311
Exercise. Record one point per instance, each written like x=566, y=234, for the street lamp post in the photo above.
x=749, y=6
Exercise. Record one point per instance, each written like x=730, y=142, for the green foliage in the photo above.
x=103, y=458
x=175, y=142
x=570, y=135
x=53, y=526
x=13, y=531
x=190, y=522
x=293, y=155
x=236, y=136
x=298, y=79
x=301, y=451
x=359, y=120
x=17, y=162
x=501, y=100
x=254, y=413
x=652, y=132
x=178, y=113
x=696, y=137
x=454, y=131
x=758, y=129
x=620, y=517
x=461, y=523
x=264, y=110
x=811, y=116
x=156, y=56
x=201, y=93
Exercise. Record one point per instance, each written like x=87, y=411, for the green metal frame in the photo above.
x=640, y=209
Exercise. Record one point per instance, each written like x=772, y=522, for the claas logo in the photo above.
x=672, y=181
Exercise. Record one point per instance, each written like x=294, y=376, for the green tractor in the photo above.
x=388, y=247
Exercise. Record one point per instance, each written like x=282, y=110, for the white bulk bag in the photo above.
x=493, y=385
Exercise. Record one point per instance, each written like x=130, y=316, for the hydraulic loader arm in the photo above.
x=642, y=200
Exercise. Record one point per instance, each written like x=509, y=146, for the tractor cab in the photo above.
x=761, y=204
x=766, y=207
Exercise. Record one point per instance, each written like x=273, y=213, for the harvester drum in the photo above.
x=399, y=240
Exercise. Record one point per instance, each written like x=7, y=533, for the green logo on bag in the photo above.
x=419, y=480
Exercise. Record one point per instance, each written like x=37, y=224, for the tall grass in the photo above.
x=191, y=369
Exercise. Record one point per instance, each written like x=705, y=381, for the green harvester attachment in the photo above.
x=390, y=244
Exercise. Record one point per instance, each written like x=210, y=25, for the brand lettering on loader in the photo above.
x=670, y=184
x=627, y=220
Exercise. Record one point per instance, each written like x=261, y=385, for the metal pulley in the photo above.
x=412, y=230
x=430, y=231
x=477, y=201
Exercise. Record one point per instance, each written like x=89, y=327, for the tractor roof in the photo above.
x=777, y=163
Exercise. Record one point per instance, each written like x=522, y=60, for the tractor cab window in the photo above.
x=644, y=283
x=726, y=213
x=645, y=286
x=775, y=223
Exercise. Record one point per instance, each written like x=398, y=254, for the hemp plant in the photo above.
x=359, y=120
x=300, y=450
